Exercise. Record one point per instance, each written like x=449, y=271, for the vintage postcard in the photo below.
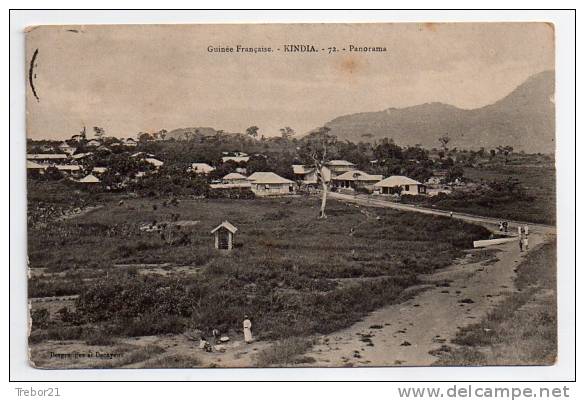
x=291, y=195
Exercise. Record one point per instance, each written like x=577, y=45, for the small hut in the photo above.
x=224, y=235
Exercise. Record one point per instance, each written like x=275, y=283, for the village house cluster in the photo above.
x=340, y=175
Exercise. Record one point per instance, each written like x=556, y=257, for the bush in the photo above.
x=40, y=318
x=230, y=193
x=283, y=353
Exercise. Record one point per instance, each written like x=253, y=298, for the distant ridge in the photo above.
x=524, y=119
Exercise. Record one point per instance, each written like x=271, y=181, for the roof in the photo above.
x=89, y=179
x=300, y=169
x=268, y=177
x=67, y=167
x=234, y=185
x=236, y=159
x=339, y=163
x=235, y=176
x=47, y=156
x=33, y=165
x=65, y=145
x=396, y=181
x=204, y=167
x=154, y=162
x=81, y=155
x=141, y=154
x=100, y=169
x=227, y=225
x=357, y=175
x=303, y=170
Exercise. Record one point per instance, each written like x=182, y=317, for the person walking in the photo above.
x=247, y=330
x=520, y=243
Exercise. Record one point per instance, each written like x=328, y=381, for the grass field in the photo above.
x=534, y=201
x=293, y=274
x=521, y=330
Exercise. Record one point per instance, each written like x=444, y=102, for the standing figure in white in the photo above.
x=247, y=330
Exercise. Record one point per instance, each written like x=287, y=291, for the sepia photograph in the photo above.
x=299, y=195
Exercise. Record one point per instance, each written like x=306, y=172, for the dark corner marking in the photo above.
x=30, y=74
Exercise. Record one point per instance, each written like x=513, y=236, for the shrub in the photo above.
x=283, y=353
x=40, y=318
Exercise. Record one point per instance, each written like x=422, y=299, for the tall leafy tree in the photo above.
x=252, y=131
x=287, y=133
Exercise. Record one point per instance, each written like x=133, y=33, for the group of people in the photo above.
x=214, y=343
x=522, y=234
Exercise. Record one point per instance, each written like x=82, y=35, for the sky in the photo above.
x=143, y=78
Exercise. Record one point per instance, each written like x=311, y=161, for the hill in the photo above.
x=524, y=119
x=185, y=133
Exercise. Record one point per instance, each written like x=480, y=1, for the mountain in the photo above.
x=524, y=119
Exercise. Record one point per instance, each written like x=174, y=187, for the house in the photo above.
x=201, y=168
x=89, y=179
x=155, y=162
x=94, y=143
x=32, y=166
x=308, y=175
x=66, y=148
x=141, y=154
x=224, y=235
x=48, y=157
x=407, y=185
x=268, y=184
x=338, y=167
x=235, y=159
x=232, y=180
x=99, y=170
x=355, y=179
x=80, y=156
x=129, y=142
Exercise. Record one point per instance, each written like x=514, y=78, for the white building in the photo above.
x=155, y=162
x=407, y=185
x=270, y=184
x=308, y=175
x=66, y=148
x=201, y=168
x=340, y=166
x=356, y=179
x=235, y=159
x=233, y=180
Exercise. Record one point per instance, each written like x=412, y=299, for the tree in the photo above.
x=287, y=133
x=454, y=173
x=83, y=133
x=99, y=132
x=317, y=148
x=252, y=131
x=144, y=137
x=162, y=134
x=444, y=140
x=386, y=150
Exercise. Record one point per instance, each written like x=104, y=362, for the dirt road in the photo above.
x=412, y=333
x=366, y=200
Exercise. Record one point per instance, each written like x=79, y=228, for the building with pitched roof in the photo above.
x=266, y=183
x=407, y=185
